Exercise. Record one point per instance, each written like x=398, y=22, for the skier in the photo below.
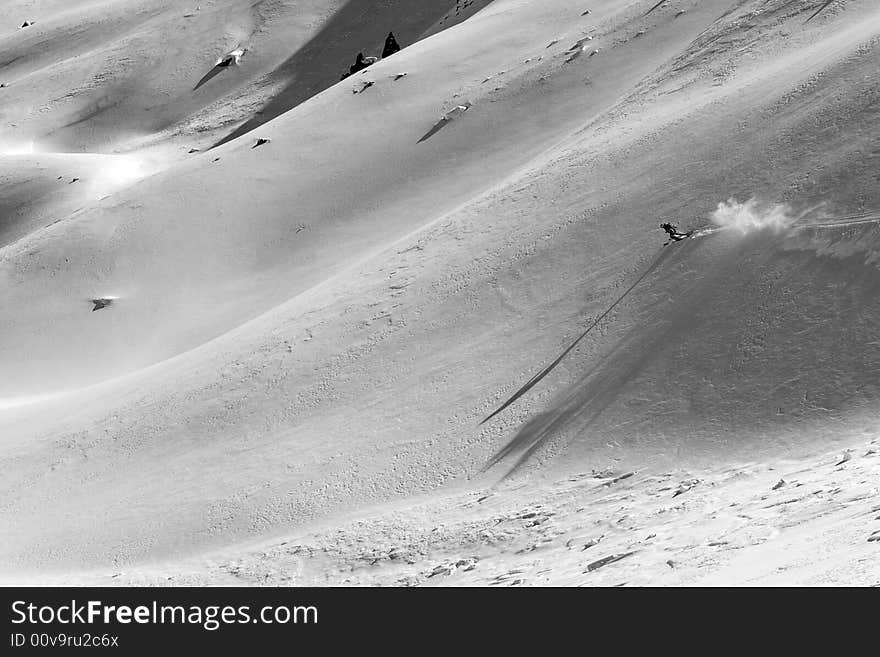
x=674, y=234
x=391, y=46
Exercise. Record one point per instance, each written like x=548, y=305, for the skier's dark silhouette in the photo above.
x=391, y=46
x=673, y=232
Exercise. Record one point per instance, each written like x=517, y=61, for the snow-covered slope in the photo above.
x=317, y=324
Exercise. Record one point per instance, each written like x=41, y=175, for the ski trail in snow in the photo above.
x=702, y=232
x=851, y=220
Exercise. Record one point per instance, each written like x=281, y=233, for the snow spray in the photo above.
x=753, y=215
